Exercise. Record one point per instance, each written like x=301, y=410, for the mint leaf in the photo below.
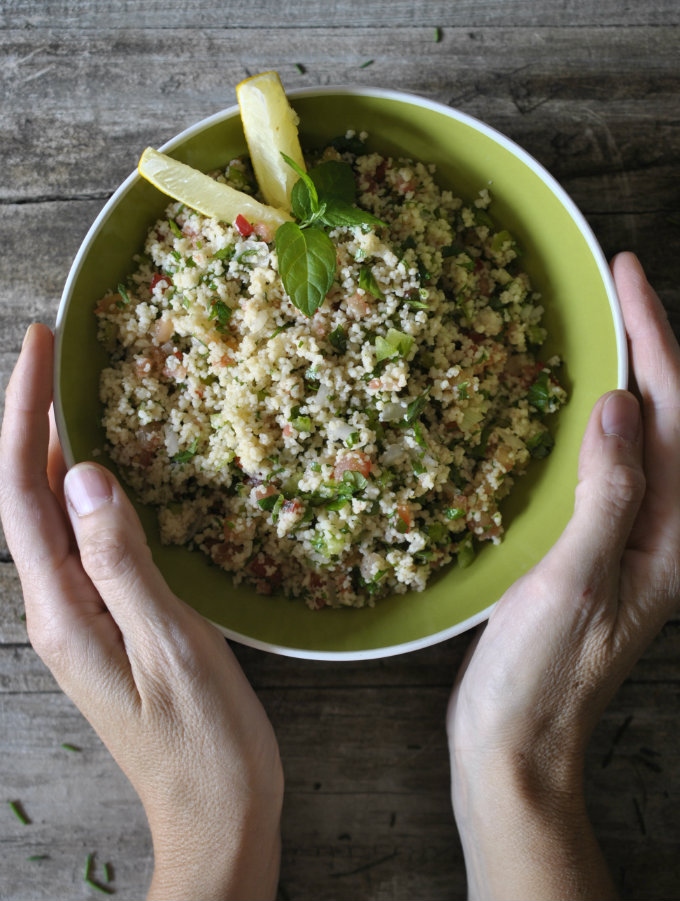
x=334, y=180
x=339, y=214
x=311, y=187
x=307, y=265
x=301, y=201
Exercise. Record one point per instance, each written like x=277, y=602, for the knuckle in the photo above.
x=623, y=486
x=105, y=555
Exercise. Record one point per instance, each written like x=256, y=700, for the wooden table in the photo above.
x=592, y=90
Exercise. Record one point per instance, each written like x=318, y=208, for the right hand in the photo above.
x=158, y=682
x=561, y=640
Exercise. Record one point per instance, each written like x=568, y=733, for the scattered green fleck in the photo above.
x=437, y=35
x=123, y=293
x=69, y=747
x=18, y=810
x=369, y=62
x=34, y=857
x=301, y=69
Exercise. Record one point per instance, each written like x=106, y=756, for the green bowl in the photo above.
x=585, y=327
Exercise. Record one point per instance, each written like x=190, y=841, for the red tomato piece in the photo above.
x=355, y=461
x=244, y=227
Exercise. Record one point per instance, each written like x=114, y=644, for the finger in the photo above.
x=56, y=465
x=35, y=526
x=655, y=359
x=610, y=490
x=655, y=365
x=115, y=555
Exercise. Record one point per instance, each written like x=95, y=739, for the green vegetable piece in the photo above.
x=416, y=407
x=352, y=145
x=539, y=393
x=281, y=328
x=338, y=339
x=500, y=239
x=369, y=284
x=453, y=513
x=222, y=312
x=353, y=481
x=268, y=502
x=466, y=551
x=540, y=445
x=186, y=455
x=437, y=532
x=337, y=504
x=383, y=349
x=302, y=423
x=123, y=293
x=175, y=229
x=225, y=253
x=307, y=265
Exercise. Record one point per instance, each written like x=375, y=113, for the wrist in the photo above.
x=525, y=830
x=233, y=855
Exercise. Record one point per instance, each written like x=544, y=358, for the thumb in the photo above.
x=610, y=490
x=114, y=552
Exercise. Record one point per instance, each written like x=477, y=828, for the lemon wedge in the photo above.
x=270, y=126
x=203, y=193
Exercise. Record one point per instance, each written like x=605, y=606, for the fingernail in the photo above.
x=621, y=416
x=87, y=489
x=28, y=332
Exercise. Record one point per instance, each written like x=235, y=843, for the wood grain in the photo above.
x=591, y=90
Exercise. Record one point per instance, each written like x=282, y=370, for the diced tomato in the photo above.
x=405, y=515
x=158, y=277
x=354, y=461
x=293, y=506
x=266, y=572
x=264, y=491
x=379, y=173
x=356, y=305
x=244, y=227
x=264, y=231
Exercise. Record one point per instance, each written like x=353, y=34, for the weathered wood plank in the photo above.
x=367, y=792
x=299, y=14
x=21, y=670
x=78, y=98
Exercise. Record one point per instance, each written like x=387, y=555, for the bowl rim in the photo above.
x=381, y=93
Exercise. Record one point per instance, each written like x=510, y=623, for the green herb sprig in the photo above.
x=321, y=199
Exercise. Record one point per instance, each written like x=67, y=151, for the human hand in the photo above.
x=562, y=639
x=157, y=682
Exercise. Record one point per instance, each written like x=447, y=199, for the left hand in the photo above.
x=158, y=682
